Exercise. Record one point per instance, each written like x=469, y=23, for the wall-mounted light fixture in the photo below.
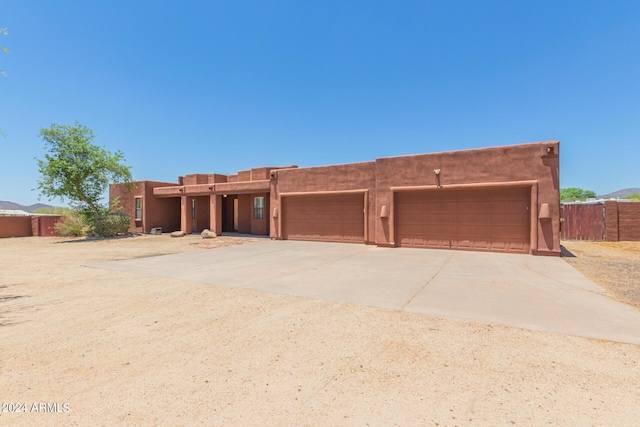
x=275, y=213
x=224, y=195
x=436, y=171
x=544, y=213
x=384, y=211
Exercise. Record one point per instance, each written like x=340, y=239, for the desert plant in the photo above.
x=71, y=225
x=111, y=224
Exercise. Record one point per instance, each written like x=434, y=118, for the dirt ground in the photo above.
x=97, y=347
x=613, y=265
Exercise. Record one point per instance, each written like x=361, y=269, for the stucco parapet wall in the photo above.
x=468, y=186
x=243, y=187
x=541, y=147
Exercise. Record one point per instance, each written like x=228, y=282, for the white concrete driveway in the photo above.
x=537, y=293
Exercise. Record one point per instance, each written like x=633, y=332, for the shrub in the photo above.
x=71, y=225
x=111, y=224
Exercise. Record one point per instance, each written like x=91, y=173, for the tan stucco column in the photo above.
x=215, y=214
x=185, y=214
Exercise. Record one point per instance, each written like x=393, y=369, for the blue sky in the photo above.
x=220, y=86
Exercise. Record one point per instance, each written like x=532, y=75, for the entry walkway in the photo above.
x=536, y=293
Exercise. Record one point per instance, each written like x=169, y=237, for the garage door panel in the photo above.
x=473, y=219
x=331, y=218
x=481, y=244
x=498, y=246
x=507, y=233
x=517, y=220
x=465, y=244
x=354, y=219
x=415, y=230
x=447, y=207
x=413, y=208
x=518, y=247
x=414, y=197
x=507, y=207
x=442, y=232
x=473, y=207
x=413, y=218
x=438, y=219
x=473, y=231
x=493, y=220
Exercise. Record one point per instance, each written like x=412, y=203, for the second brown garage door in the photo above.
x=330, y=218
x=486, y=220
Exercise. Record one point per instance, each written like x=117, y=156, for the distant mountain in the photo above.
x=30, y=209
x=620, y=193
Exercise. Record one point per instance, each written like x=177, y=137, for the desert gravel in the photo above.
x=613, y=265
x=116, y=348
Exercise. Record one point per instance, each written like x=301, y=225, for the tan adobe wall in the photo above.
x=629, y=221
x=622, y=221
x=202, y=213
x=159, y=212
x=611, y=221
x=245, y=212
x=481, y=168
x=156, y=212
x=534, y=166
x=196, y=178
x=322, y=180
x=216, y=177
x=244, y=175
x=260, y=226
x=126, y=201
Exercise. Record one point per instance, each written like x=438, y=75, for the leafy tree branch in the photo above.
x=78, y=170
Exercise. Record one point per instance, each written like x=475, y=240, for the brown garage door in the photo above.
x=329, y=218
x=482, y=220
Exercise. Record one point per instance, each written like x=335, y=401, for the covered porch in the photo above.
x=231, y=207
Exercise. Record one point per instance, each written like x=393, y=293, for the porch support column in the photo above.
x=185, y=214
x=215, y=214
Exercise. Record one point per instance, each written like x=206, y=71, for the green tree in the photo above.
x=76, y=169
x=635, y=197
x=575, y=194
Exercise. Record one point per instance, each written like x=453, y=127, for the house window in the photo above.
x=138, y=208
x=193, y=208
x=258, y=208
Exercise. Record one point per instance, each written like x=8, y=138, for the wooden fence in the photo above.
x=610, y=220
x=582, y=222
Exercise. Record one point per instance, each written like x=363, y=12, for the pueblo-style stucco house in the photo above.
x=501, y=199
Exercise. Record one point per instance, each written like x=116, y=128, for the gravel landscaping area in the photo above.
x=613, y=265
x=114, y=348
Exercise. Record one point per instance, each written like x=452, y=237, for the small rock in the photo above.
x=208, y=234
x=178, y=234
